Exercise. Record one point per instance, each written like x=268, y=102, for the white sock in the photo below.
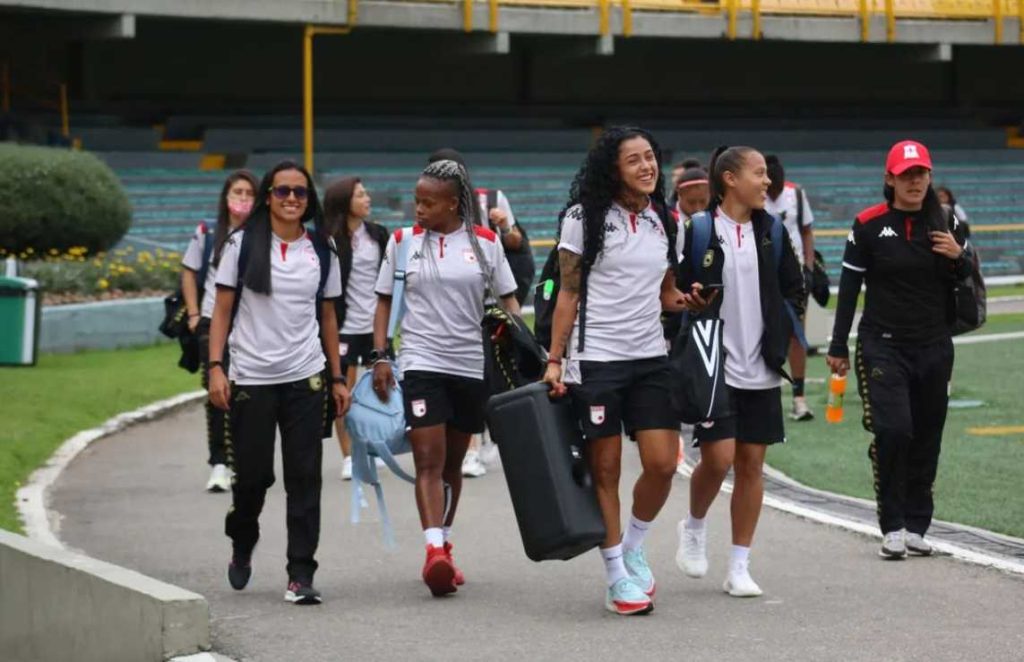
x=694, y=524
x=434, y=536
x=447, y=531
x=614, y=567
x=635, y=533
x=739, y=554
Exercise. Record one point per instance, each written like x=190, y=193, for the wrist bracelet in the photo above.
x=554, y=361
x=216, y=364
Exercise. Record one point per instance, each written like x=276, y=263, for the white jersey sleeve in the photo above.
x=227, y=271
x=571, y=238
x=808, y=214
x=501, y=272
x=332, y=288
x=193, y=258
x=386, y=277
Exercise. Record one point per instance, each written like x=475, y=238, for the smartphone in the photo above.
x=708, y=290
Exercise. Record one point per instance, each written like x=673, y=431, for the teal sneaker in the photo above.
x=639, y=571
x=626, y=599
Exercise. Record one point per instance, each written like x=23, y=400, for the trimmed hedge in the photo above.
x=59, y=199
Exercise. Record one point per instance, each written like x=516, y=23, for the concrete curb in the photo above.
x=32, y=498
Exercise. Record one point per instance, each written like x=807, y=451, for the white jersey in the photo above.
x=786, y=209
x=275, y=338
x=444, y=298
x=745, y=367
x=193, y=260
x=360, y=299
x=623, y=287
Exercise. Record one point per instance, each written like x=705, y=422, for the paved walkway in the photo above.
x=136, y=499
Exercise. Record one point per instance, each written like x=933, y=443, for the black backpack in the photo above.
x=969, y=295
x=520, y=260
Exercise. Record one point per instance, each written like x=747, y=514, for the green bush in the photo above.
x=59, y=199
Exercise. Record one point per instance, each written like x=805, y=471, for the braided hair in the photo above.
x=447, y=170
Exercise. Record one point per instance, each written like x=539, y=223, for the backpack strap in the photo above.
x=777, y=238
x=403, y=238
x=323, y=247
x=799, y=207
x=208, y=240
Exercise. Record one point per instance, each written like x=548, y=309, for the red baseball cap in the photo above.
x=907, y=154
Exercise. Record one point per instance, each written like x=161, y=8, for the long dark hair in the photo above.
x=223, y=228
x=337, y=206
x=724, y=159
x=257, y=270
x=599, y=181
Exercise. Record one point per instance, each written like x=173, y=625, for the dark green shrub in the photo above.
x=59, y=199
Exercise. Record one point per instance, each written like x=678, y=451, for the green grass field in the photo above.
x=979, y=476
x=68, y=393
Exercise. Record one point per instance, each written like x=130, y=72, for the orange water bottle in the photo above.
x=836, y=392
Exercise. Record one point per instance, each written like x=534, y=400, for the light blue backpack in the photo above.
x=377, y=429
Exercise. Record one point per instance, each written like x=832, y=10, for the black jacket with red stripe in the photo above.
x=909, y=287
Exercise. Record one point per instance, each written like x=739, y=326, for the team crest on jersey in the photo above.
x=597, y=414
x=419, y=408
x=469, y=256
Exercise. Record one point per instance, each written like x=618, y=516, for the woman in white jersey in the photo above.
x=276, y=286
x=756, y=289
x=361, y=245
x=451, y=265
x=233, y=207
x=617, y=250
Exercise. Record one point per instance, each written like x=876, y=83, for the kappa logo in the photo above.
x=887, y=232
x=415, y=256
x=343, y=349
x=877, y=373
x=419, y=408
x=242, y=396
x=597, y=414
x=910, y=152
x=707, y=344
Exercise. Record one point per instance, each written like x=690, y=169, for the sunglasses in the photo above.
x=282, y=192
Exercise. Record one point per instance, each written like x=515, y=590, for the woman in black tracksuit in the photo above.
x=907, y=252
x=757, y=290
x=361, y=247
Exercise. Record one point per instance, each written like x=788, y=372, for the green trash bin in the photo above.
x=20, y=310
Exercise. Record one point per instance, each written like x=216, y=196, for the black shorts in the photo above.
x=355, y=350
x=433, y=398
x=756, y=419
x=613, y=395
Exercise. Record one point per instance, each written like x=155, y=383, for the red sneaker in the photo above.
x=439, y=572
x=460, y=578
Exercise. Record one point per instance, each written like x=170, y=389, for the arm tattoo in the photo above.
x=571, y=267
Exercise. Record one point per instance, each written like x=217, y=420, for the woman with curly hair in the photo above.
x=616, y=252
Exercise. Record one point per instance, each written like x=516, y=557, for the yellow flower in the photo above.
x=103, y=283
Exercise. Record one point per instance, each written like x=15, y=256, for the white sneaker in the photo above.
x=346, y=468
x=220, y=479
x=917, y=545
x=472, y=467
x=692, y=555
x=739, y=583
x=894, y=546
x=800, y=411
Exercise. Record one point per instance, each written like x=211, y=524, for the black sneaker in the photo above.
x=239, y=572
x=302, y=593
